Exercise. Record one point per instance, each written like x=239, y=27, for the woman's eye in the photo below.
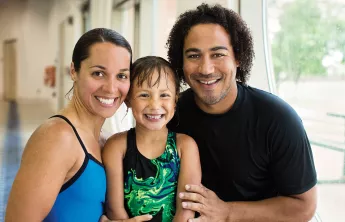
x=122, y=76
x=98, y=74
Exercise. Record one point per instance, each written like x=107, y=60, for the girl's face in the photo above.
x=153, y=107
x=102, y=83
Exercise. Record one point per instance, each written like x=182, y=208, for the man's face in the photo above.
x=209, y=63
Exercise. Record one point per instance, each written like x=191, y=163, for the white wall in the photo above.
x=11, y=23
x=35, y=25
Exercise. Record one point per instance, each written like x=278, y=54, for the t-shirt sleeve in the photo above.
x=292, y=163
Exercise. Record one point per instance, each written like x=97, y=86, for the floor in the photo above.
x=18, y=121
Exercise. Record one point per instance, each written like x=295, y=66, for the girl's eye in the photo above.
x=122, y=76
x=98, y=74
x=144, y=95
x=165, y=95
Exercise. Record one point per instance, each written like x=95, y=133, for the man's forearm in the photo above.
x=273, y=209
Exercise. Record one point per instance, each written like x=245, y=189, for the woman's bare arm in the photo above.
x=46, y=160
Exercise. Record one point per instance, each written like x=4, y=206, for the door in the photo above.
x=10, y=70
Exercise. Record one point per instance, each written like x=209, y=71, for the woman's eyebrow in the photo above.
x=98, y=66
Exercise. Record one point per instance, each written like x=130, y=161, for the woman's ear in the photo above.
x=73, y=73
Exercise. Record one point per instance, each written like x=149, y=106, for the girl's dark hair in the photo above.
x=143, y=68
x=240, y=36
x=82, y=48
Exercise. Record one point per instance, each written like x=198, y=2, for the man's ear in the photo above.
x=237, y=63
x=73, y=73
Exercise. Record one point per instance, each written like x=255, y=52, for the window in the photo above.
x=307, y=39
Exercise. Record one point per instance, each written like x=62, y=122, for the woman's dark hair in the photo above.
x=240, y=36
x=143, y=68
x=82, y=48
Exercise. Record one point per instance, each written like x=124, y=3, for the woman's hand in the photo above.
x=146, y=217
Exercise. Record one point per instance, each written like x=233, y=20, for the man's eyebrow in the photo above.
x=211, y=49
x=218, y=48
x=192, y=50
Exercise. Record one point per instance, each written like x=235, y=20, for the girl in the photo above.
x=147, y=165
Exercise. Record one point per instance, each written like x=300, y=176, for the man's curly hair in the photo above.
x=240, y=36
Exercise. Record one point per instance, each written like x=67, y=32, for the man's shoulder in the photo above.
x=186, y=97
x=271, y=105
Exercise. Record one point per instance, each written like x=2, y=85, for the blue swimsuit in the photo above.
x=82, y=197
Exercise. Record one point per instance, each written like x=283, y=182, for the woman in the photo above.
x=61, y=177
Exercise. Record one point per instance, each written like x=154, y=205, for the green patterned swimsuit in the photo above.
x=150, y=185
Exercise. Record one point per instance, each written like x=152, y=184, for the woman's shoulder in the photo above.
x=55, y=128
x=53, y=135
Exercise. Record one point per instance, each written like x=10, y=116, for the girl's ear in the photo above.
x=176, y=99
x=128, y=104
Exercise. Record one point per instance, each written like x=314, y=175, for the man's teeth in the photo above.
x=105, y=101
x=208, y=82
x=154, y=116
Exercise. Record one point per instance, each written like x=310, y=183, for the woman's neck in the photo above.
x=82, y=118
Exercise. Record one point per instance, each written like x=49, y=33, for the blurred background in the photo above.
x=299, y=46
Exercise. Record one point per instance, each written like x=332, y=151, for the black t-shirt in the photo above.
x=257, y=150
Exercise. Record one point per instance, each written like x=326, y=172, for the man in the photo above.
x=256, y=159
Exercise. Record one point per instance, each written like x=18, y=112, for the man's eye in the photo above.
x=98, y=74
x=218, y=55
x=194, y=56
x=122, y=76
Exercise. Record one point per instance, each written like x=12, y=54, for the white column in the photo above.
x=101, y=13
x=252, y=13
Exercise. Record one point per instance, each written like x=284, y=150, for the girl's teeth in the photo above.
x=106, y=101
x=154, y=117
x=208, y=82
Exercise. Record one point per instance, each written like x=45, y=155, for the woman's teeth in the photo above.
x=105, y=101
x=208, y=82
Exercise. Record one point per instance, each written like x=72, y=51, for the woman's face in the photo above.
x=102, y=83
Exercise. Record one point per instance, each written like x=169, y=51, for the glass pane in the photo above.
x=308, y=46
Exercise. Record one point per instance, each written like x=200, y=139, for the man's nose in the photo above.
x=206, y=66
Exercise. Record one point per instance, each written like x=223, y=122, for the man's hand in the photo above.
x=200, y=199
x=134, y=219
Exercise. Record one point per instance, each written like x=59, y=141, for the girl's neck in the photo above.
x=145, y=135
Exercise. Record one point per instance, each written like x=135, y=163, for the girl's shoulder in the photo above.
x=115, y=144
x=184, y=142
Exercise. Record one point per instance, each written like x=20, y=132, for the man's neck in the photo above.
x=222, y=106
